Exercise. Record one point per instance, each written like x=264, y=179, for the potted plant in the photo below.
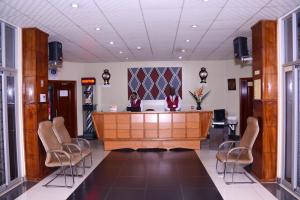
x=199, y=95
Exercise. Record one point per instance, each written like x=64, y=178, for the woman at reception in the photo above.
x=134, y=103
x=172, y=101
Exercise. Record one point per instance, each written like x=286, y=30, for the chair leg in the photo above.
x=251, y=181
x=91, y=159
x=62, y=172
x=83, y=166
x=76, y=170
x=224, y=172
x=217, y=170
x=233, y=170
x=72, y=173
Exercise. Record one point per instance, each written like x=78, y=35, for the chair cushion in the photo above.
x=243, y=159
x=54, y=162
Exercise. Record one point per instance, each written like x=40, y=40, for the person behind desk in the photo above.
x=172, y=101
x=134, y=103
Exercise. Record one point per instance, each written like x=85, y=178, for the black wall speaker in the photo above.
x=240, y=47
x=55, y=51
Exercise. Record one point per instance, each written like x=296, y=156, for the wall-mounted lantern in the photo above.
x=203, y=75
x=106, y=76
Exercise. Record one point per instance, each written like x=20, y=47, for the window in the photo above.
x=9, y=46
x=291, y=92
x=288, y=39
x=298, y=35
x=9, y=147
x=0, y=45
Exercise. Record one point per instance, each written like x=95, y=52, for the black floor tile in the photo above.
x=126, y=194
x=17, y=191
x=161, y=181
x=160, y=175
x=94, y=192
x=197, y=182
x=278, y=191
x=130, y=182
x=163, y=193
x=201, y=194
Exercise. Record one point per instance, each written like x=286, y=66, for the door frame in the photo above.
x=240, y=80
x=75, y=100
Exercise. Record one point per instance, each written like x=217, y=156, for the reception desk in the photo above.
x=152, y=129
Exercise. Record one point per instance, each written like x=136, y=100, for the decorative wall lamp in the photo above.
x=106, y=76
x=203, y=75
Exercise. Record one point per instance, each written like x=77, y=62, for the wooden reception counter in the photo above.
x=152, y=129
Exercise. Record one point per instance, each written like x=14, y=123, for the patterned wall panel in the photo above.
x=152, y=83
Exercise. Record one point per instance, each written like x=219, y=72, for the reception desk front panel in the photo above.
x=152, y=129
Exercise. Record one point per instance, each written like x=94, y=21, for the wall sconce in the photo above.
x=106, y=76
x=203, y=75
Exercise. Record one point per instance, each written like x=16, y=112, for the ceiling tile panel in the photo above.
x=117, y=5
x=159, y=27
x=244, y=13
x=195, y=4
x=285, y=3
x=161, y=4
x=226, y=24
x=198, y=16
x=246, y=3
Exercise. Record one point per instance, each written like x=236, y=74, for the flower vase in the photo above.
x=198, y=106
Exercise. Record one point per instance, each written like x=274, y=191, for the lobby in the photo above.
x=83, y=60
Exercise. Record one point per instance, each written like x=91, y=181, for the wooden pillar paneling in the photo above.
x=264, y=43
x=35, y=82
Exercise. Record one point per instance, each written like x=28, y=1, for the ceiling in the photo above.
x=159, y=27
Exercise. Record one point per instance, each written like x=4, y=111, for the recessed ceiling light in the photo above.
x=187, y=40
x=180, y=57
x=111, y=43
x=183, y=50
x=74, y=5
x=120, y=52
x=126, y=58
x=194, y=26
x=138, y=47
x=98, y=29
x=205, y=0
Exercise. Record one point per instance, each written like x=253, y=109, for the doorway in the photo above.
x=246, y=102
x=62, y=102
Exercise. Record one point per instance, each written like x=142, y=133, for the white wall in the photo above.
x=218, y=73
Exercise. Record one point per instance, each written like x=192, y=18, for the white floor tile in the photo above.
x=39, y=192
x=234, y=191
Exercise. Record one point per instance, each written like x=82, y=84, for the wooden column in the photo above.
x=264, y=42
x=35, y=82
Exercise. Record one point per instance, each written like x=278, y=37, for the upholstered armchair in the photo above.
x=56, y=156
x=64, y=138
x=238, y=152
